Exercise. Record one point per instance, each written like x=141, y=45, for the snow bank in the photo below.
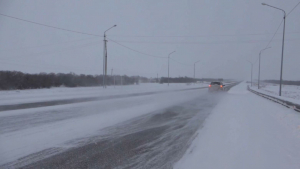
x=246, y=131
x=62, y=93
x=289, y=93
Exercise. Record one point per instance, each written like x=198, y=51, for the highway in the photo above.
x=80, y=135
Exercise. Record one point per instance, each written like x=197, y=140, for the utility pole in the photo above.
x=259, y=65
x=121, y=80
x=259, y=71
x=284, y=17
x=282, y=54
x=251, y=71
x=169, y=67
x=105, y=57
x=157, y=78
x=195, y=71
x=114, y=80
x=111, y=73
x=168, y=70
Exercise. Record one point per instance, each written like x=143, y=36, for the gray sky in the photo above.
x=222, y=34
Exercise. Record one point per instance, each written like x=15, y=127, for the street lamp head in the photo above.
x=197, y=61
x=109, y=29
x=171, y=53
x=266, y=48
x=275, y=8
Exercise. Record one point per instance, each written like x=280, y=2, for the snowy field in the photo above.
x=246, y=131
x=62, y=93
x=289, y=92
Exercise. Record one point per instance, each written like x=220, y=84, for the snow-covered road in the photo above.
x=30, y=135
x=13, y=97
x=188, y=128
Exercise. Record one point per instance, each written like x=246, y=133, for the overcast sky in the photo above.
x=223, y=35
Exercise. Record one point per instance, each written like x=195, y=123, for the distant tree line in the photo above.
x=187, y=79
x=10, y=80
x=285, y=82
x=177, y=80
x=211, y=79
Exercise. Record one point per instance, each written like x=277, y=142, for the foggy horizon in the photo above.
x=150, y=84
x=222, y=35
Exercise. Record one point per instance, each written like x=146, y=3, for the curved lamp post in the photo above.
x=284, y=16
x=259, y=65
x=251, y=70
x=105, y=57
x=169, y=66
x=195, y=69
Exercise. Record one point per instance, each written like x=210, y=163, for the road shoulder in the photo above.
x=246, y=131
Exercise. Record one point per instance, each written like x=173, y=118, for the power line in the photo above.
x=274, y=34
x=54, y=27
x=277, y=30
x=293, y=9
x=53, y=44
x=192, y=36
x=181, y=63
x=61, y=50
x=134, y=49
x=195, y=42
x=50, y=66
x=281, y=23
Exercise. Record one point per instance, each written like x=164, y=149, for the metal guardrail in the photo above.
x=285, y=103
x=230, y=85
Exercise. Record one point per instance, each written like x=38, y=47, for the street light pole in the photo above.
x=105, y=57
x=111, y=73
x=114, y=81
x=169, y=67
x=259, y=65
x=195, y=70
x=251, y=71
x=284, y=17
x=104, y=54
x=259, y=70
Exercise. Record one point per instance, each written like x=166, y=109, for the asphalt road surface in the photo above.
x=155, y=140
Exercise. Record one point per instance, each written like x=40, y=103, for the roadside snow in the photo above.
x=246, y=131
x=62, y=93
x=289, y=92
